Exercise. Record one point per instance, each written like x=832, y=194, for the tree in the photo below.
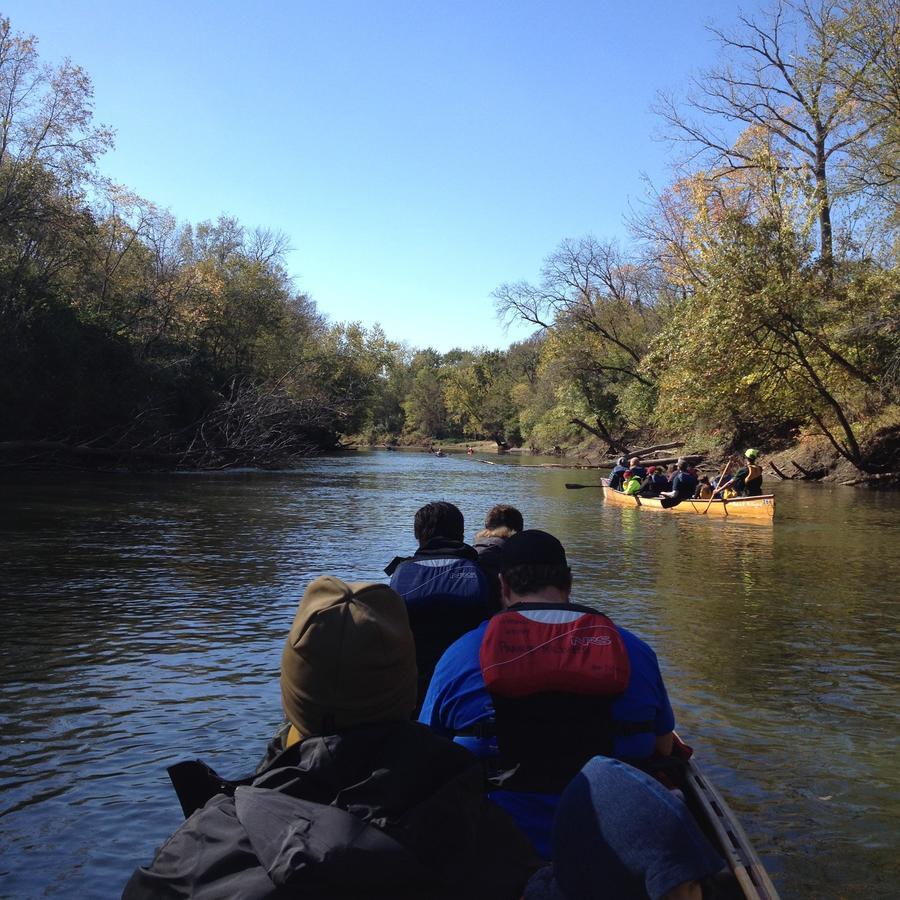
x=791, y=74
x=424, y=405
x=477, y=394
x=768, y=339
x=598, y=307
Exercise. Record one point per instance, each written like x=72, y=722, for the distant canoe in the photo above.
x=762, y=507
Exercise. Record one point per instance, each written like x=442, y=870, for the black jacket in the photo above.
x=376, y=812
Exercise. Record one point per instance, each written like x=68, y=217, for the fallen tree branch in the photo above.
x=870, y=479
x=808, y=475
x=671, y=446
x=601, y=431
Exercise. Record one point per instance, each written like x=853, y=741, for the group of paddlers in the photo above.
x=684, y=482
x=466, y=731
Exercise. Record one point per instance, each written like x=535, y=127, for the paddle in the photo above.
x=712, y=496
x=572, y=487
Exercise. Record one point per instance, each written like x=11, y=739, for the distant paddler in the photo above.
x=746, y=482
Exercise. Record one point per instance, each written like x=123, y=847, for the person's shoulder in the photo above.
x=636, y=647
x=468, y=644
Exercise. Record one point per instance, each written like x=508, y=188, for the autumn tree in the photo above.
x=598, y=305
x=797, y=73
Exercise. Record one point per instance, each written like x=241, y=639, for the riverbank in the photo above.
x=807, y=458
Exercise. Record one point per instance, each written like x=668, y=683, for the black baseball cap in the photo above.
x=532, y=548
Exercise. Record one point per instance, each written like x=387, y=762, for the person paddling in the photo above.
x=747, y=481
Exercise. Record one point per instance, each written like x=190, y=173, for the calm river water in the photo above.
x=142, y=619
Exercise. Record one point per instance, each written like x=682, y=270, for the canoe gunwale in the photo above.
x=734, y=844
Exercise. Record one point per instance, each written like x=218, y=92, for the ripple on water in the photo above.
x=143, y=620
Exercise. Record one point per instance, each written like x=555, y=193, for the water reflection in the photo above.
x=142, y=621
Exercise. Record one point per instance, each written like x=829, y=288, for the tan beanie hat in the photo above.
x=349, y=658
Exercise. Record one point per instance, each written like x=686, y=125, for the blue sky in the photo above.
x=417, y=154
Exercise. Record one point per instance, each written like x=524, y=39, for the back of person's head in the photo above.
x=504, y=516
x=532, y=560
x=626, y=474
x=621, y=461
x=651, y=470
x=438, y=519
x=349, y=658
x=682, y=465
x=633, y=461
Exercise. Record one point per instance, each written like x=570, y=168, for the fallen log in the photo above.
x=870, y=479
x=778, y=472
x=656, y=447
x=693, y=458
x=808, y=475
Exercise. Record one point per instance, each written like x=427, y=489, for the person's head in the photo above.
x=533, y=565
x=751, y=454
x=504, y=516
x=349, y=658
x=704, y=479
x=438, y=519
x=621, y=461
x=682, y=465
x=633, y=461
x=626, y=474
x=651, y=470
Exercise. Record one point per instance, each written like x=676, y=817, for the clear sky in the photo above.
x=417, y=154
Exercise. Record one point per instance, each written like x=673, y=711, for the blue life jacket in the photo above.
x=615, y=477
x=446, y=593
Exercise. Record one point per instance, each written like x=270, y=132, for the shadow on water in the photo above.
x=142, y=620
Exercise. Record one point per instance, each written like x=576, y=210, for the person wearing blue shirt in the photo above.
x=683, y=484
x=615, y=477
x=535, y=580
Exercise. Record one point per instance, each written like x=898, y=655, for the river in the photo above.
x=142, y=619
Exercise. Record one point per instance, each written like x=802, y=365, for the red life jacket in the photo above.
x=553, y=672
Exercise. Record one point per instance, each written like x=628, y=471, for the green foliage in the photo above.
x=123, y=328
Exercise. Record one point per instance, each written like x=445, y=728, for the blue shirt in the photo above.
x=457, y=698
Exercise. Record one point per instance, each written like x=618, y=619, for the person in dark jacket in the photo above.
x=446, y=591
x=634, y=464
x=615, y=477
x=654, y=482
x=501, y=522
x=683, y=484
x=354, y=800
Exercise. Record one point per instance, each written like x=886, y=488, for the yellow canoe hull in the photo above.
x=762, y=507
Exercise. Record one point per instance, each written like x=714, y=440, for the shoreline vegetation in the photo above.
x=757, y=302
x=810, y=458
